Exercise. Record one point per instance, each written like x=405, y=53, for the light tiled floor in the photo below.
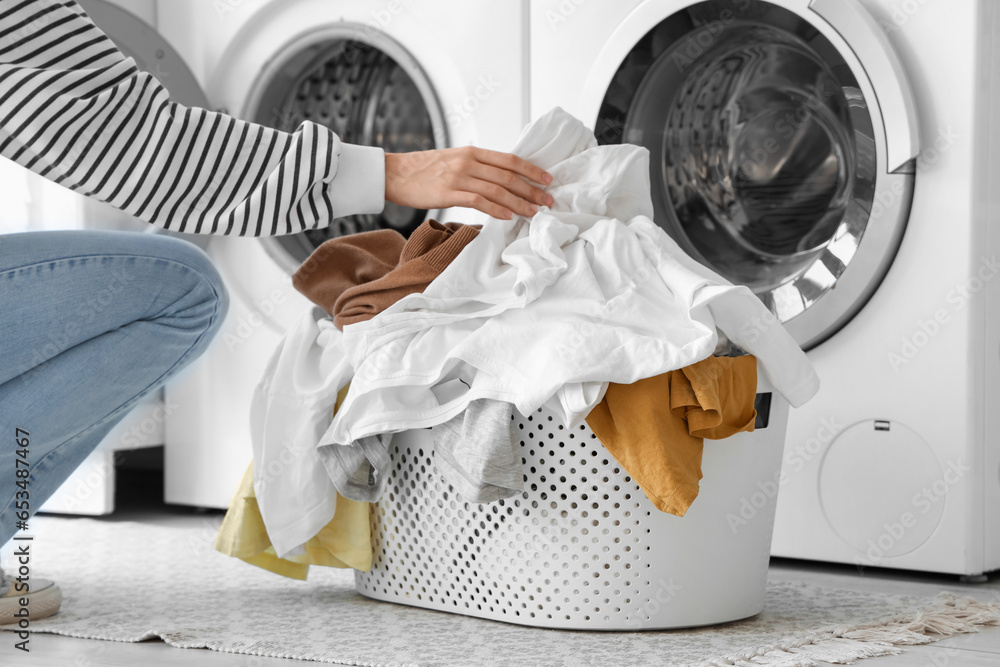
x=980, y=649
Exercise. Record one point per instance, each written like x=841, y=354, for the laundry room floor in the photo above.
x=137, y=501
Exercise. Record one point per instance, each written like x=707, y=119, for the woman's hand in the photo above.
x=495, y=183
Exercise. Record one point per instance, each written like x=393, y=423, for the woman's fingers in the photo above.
x=481, y=203
x=510, y=162
x=500, y=195
x=498, y=184
x=512, y=182
x=500, y=179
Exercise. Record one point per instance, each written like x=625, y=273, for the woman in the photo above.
x=91, y=322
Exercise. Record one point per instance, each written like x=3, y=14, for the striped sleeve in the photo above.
x=74, y=109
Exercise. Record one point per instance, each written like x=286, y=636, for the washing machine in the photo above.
x=835, y=156
x=404, y=76
x=133, y=26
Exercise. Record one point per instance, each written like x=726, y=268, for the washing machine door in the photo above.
x=136, y=37
x=770, y=163
x=367, y=88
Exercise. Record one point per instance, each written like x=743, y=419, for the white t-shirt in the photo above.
x=292, y=407
x=548, y=311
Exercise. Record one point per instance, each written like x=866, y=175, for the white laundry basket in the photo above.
x=582, y=547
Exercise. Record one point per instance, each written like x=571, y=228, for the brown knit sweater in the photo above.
x=354, y=278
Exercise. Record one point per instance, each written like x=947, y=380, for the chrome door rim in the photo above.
x=866, y=244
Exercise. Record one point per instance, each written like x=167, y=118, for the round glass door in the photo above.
x=370, y=93
x=763, y=152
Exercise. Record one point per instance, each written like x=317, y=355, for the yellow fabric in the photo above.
x=655, y=427
x=344, y=542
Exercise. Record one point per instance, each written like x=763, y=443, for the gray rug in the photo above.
x=125, y=581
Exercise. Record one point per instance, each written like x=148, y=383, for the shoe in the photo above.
x=44, y=598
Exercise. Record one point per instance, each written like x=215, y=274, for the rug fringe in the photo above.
x=950, y=615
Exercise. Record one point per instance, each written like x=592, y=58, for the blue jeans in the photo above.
x=90, y=323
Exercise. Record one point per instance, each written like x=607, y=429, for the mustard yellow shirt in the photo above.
x=655, y=427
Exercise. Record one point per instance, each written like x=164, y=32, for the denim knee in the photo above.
x=214, y=288
x=207, y=283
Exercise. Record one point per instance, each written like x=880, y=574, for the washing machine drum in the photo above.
x=368, y=98
x=762, y=147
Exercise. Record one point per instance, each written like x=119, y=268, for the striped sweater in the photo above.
x=74, y=109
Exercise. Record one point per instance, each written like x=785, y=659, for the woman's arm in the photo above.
x=75, y=110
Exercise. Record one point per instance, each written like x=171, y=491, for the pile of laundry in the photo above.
x=588, y=308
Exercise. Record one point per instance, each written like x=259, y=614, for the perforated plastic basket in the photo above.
x=582, y=547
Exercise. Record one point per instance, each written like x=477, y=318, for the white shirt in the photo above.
x=292, y=407
x=591, y=291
